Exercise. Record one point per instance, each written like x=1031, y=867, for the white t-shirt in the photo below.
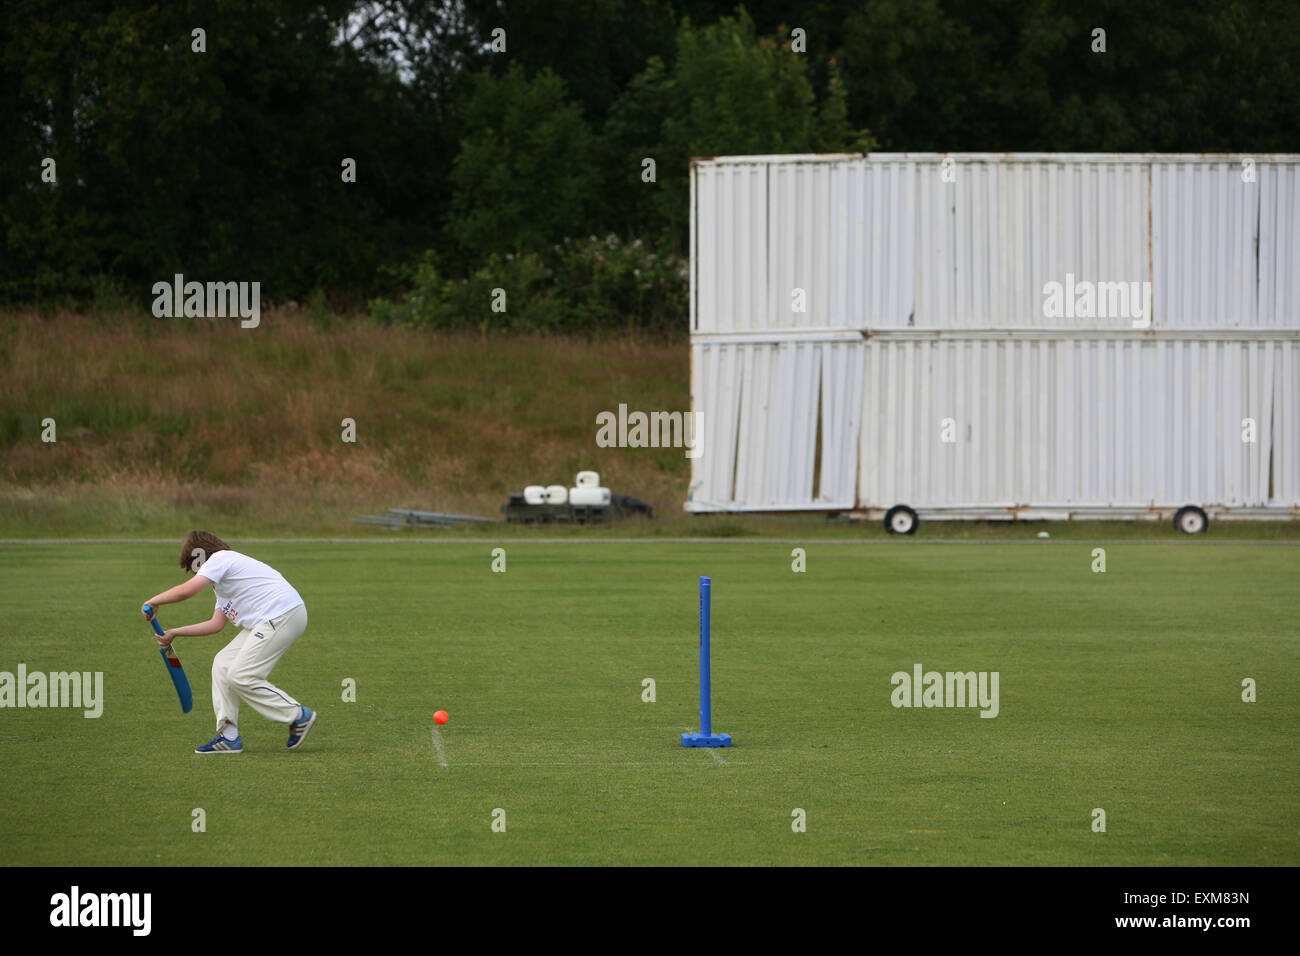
x=248, y=592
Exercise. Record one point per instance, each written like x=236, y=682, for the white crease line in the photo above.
x=437, y=743
x=713, y=751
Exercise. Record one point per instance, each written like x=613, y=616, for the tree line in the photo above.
x=407, y=157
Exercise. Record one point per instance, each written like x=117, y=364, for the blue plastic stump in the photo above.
x=706, y=737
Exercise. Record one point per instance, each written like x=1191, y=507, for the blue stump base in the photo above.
x=706, y=740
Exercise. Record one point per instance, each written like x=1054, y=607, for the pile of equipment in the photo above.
x=585, y=503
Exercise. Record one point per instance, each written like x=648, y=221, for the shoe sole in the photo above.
x=211, y=753
x=305, y=731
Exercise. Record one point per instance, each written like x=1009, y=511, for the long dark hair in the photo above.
x=198, y=547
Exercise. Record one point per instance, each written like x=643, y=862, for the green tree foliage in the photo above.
x=595, y=46
x=729, y=91
x=578, y=285
x=521, y=178
x=994, y=75
x=225, y=164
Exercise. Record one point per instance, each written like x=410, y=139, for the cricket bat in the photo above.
x=174, y=669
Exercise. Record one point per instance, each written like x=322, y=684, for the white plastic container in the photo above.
x=587, y=479
x=557, y=495
x=535, y=495
x=589, y=496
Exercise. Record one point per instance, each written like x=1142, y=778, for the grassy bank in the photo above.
x=160, y=423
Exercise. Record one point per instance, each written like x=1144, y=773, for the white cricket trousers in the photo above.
x=240, y=669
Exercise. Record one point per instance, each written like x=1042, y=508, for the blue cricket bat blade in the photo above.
x=174, y=669
x=178, y=678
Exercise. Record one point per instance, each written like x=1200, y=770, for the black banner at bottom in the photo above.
x=359, y=904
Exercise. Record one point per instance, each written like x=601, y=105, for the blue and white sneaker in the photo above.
x=220, y=745
x=299, y=729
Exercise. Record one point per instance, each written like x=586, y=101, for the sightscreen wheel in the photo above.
x=900, y=519
x=1191, y=520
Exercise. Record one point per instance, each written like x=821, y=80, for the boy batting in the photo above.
x=271, y=616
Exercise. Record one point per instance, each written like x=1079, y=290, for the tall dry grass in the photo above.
x=193, y=416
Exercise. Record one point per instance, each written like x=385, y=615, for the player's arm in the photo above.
x=202, y=629
x=182, y=592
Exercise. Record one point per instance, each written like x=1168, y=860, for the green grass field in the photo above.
x=1119, y=690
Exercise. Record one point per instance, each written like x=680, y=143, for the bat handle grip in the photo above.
x=153, y=619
